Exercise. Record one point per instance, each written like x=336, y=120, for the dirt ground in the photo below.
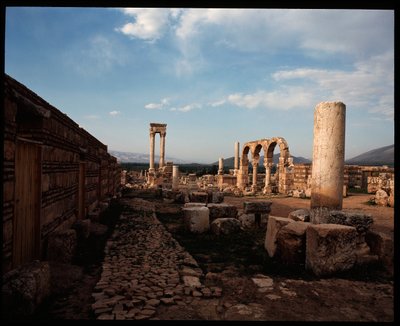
x=231, y=262
x=282, y=206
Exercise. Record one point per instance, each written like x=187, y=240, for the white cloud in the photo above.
x=286, y=98
x=158, y=106
x=218, y=103
x=149, y=24
x=114, y=113
x=369, y=85
x=187, y=108
x=329, y=31
x=313, y=32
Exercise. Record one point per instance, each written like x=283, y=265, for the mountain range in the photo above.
x=379, y=156
x=129, y=157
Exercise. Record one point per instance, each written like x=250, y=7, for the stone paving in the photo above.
x=145, y=267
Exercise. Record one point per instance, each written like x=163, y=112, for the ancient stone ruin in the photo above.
x=71, y=180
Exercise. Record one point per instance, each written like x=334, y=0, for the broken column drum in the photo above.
x=328, y=160
x=160, y=128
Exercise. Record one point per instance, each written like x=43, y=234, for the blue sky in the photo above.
x=214, y=76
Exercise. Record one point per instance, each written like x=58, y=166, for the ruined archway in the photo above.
x=285, y=178
x=283, y=170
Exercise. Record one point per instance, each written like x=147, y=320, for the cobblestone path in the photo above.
x=145, y=268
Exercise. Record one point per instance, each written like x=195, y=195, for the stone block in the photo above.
x=275, y=223
x=94, y=215
x=291, y=243
x=225, y=225
x=62, y=246
x=24, y=289
x=217, y=197
x=381, y=245
x=198, y=197
x=82, y=228
x=187, y=205
x=247, y=221
x=302, y=215
x=222, y=210
x=196, y=219
x=330, y=248
x=381, y=198
x=97, y=229
x=391, y=199
x=262, y=207
x=357, y=219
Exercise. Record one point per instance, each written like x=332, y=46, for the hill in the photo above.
x=379, y=156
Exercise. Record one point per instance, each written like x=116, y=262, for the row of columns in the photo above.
x=162, y=149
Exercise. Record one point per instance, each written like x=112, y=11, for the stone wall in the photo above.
x=66, y=154
x=367, y=178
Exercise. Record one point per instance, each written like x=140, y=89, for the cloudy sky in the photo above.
x=214, y=76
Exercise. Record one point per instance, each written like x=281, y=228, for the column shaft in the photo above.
x=152, y=136
x=236, y=163
x=328, y=159
x=162, y=150
x=175, y=177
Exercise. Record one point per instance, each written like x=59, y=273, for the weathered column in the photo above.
x=162, y=149
x=267, y=165
x=175, y=177
x=152, y=136
x=236, y=162
x=221, y=165
x=255, y=167
x=328, y=160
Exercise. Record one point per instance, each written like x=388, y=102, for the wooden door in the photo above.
x=26, y=226
x=82, y=190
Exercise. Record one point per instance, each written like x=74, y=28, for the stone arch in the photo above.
x=285, y=162
x=268, y=146
x=243, y=175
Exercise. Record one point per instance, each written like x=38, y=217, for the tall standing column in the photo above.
x=162, y=149
x=175, y=177
x=221, y=165
x=236, y=162
x=255, y=168
x=152, y=136
x=328, y=160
